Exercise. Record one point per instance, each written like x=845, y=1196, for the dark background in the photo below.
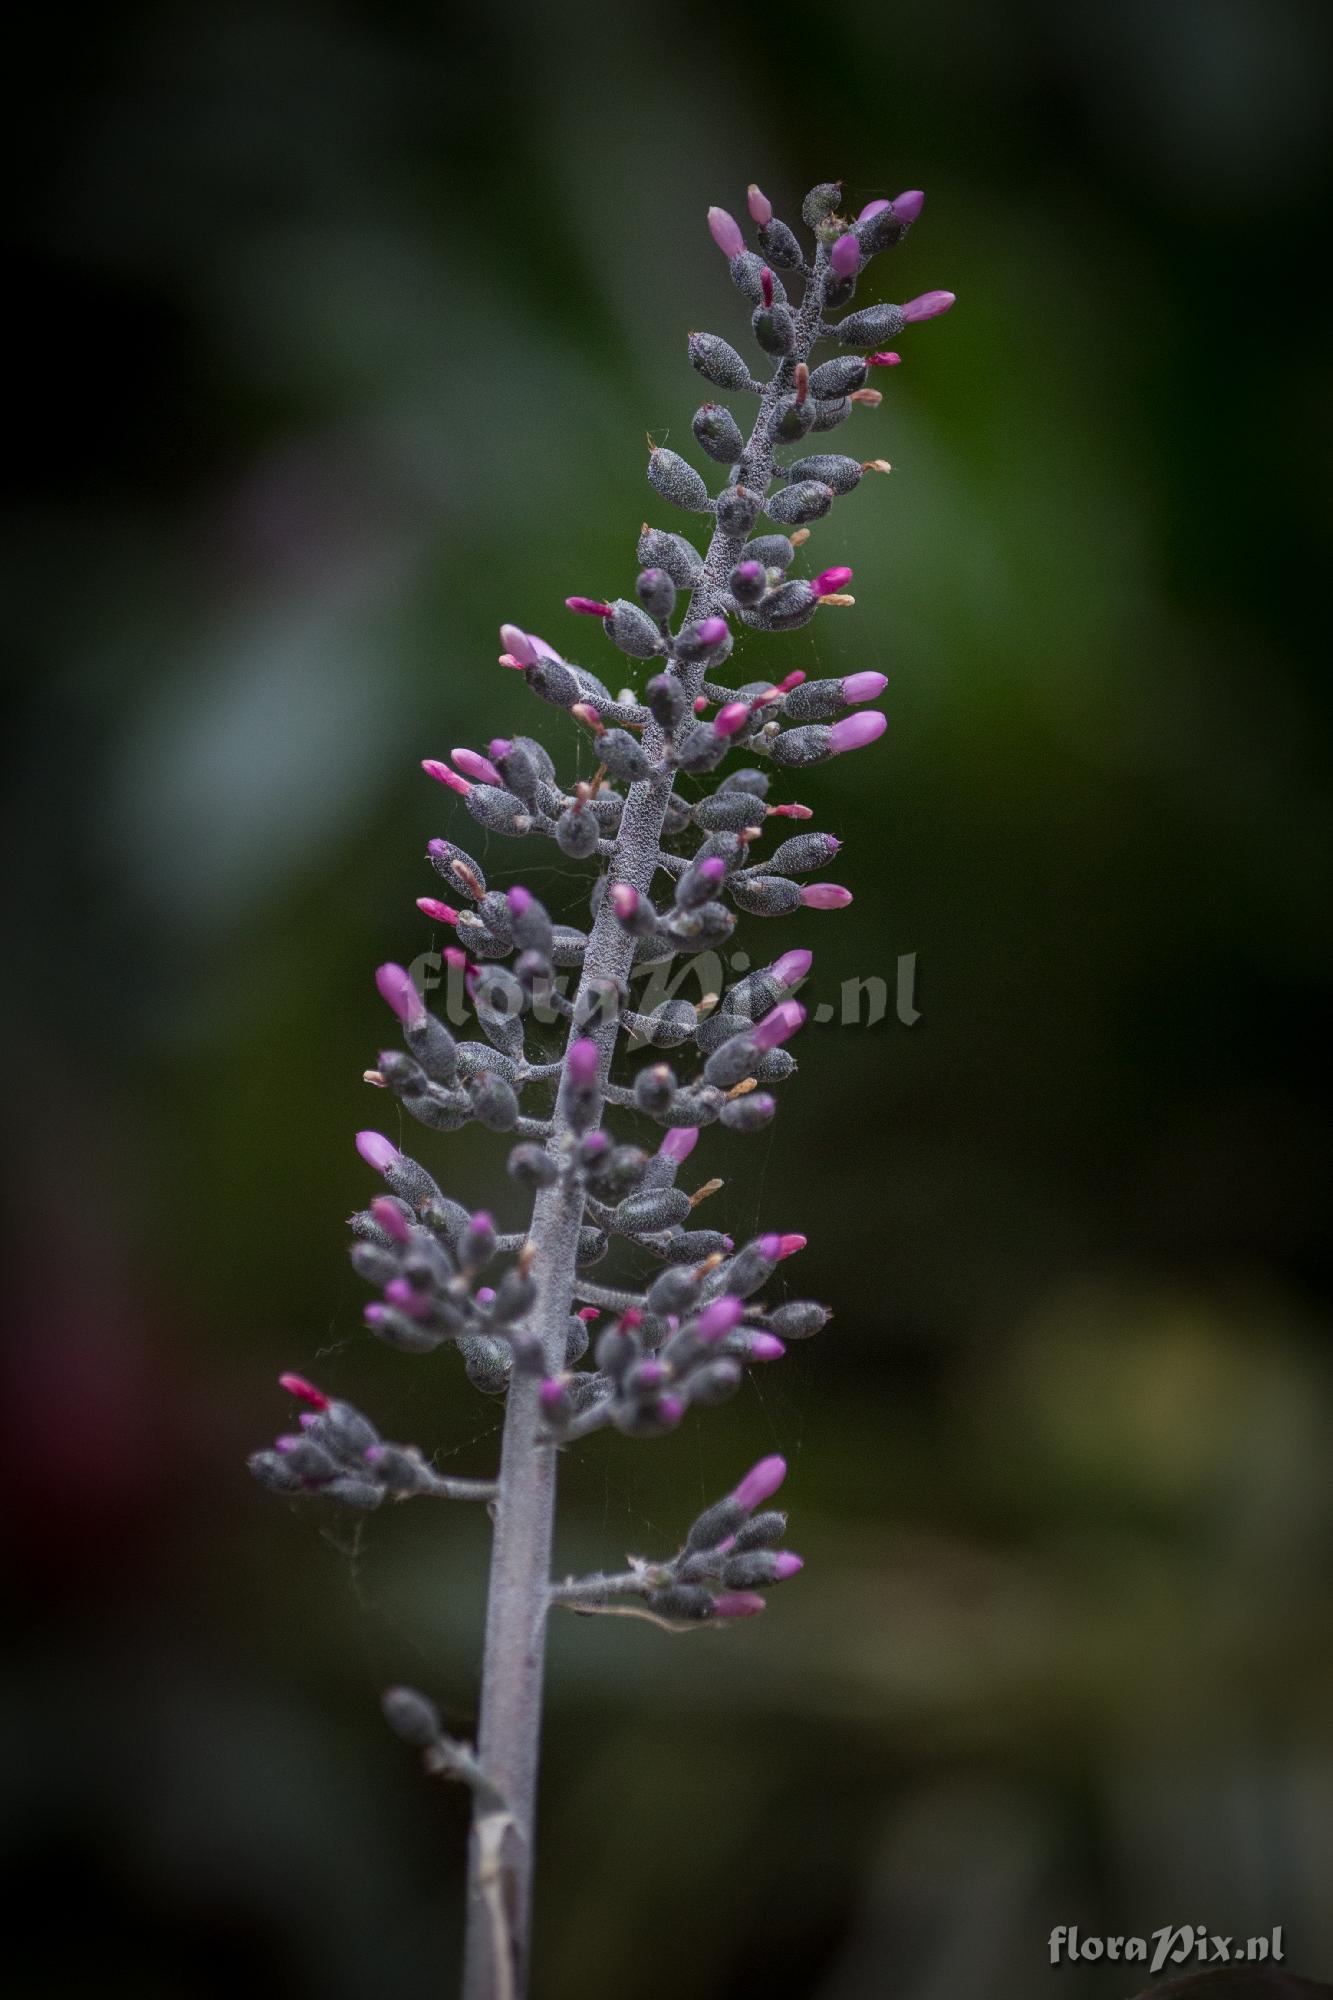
x=342, y=330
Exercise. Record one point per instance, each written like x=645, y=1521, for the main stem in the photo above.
x=500, y=1851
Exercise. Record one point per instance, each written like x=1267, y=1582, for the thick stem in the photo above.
x=500, y=1859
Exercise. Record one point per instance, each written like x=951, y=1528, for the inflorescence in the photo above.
x=636, y=1354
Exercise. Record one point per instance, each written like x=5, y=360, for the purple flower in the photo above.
x=765, y=1347
x=825, y=896
x=778, y=1025
x=731, y=718
x=519, y=899
x=377, y=1151
x=679, y=1143
x=444, y=776
x=830, y=580
x=305, y=1392
x=473, y=765
x=792, y=967
x=928, y=306
x=864, y=687
x=872, y=208
x=845, y=256
x=787, y=1564
x=761, y=1482
x=855, y=731
x=737, y=1604
x=390, y=1218
x=907, y=207
x=397, y=990
x=759, y=205
x=725, y=232
x=518, y=645
x=438, y=912
x=581, y=1064
x=719, y=1318
x=886, y=359
x=589, y=607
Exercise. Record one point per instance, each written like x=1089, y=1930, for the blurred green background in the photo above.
x=344, y=326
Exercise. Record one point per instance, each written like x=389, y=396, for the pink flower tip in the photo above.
x=679, y=1143
x=770, y=1246
x=830, y=580
x=886, y=358
x=438, y=912
x=759, y=205
x=731, y=718
x=519, y=899
x=907, y=207
x=589, y=607
x=845, y=256
x=711, y=631
x=863, y=687
x=928, y=306
x=624, y=900
x=588, y=1314
x=738, y=1604
x=485, y=1295
x=670, y=1410
x=581, y=1064
x=855, y=731
x=825, y=896
x=766, y=1347
x=499, y=746
x=457, y=959
x=725, y=232
x=551, y=1394
x=444, y=776
x=377, y=1151
x=871, y=209
x=390, y=1218
x=792, y=967
x=518, y=645
x=711, y=870
x=398, y=990
x=761, y=1482
x=778, y=1025
x=305, y=1392
x=788, y=1564
x=401, y=1293
x=473, y=765
x=719, y=1318
x=791, y=1244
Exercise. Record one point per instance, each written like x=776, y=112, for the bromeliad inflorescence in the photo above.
x=522, y=1306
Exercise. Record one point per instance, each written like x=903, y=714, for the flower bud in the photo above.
x=804, y=500
x=717, y=432
x=738, y=1604
x=760, y=1483
x=458, y=868
x=764, y=895
x=498, y=811
x=748, y=582
x=871, y=327
x=749, y=1113
x=532, y=1166
x=832, y=469
x=656, y=593
x=737, y=510
x=774, y=328
x=831, y=411
x=555, y=682
x=719, y=362
x=658, y=1208
x=703, y=639
x=786, y=609
x=826, y=896
x=677, y=481
x=494, y=1104
x=577, y=833
x=795, y=748
x=679, y=558
x=780, y=246
x=803, y=852
x=753, y=280
x=845, y=256
x=667, y=701
x=759, y=205
x=821, y=202
x=632, y=630
x=759, y=1566
x=682, y=1600
x=396, y=988
x=792, y=418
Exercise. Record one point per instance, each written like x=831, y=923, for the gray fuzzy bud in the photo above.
x=838, y=377
x=680, y=559
x=271, y=1469
x=632, y=630
x=701, y=929
x=731, y=812
x=486, y=1363
x=409, y=1336
x=433, y=1047
x=691, y=1246
x=623, y=756
x=798, y=1319
x=749, y=1113
x=681, y=1600
x=677, y=481
x=515, y=1295
x=773, y=551
x=715, y=1524
x=656, y=592
x=718, y=362
x=593, y=1246
x=761, y=1531
x=870, y=328
x=673, y=1291
x=532, y=1166
x=554, y=682
x=493, y=1102
x=834, y=469
x=411, y=1716
x=805, y=500
x=792, y=418
x=700, y=748
x=691, y=643
x=881, y=232
x=813, y=701
x=374, y=1264
x=658, y=1208
x=667, y=1026
x=577, y=833
x=830, y=412
x=576, y=1340
x=821, y=202
x=802, y=854
x=401, y=1471
x=362, y=1494
x=667, y=700
x=748, y=1270
x=785, y=610
x=747, y=275
x=717, y=432
x=774, y=1066
x=730, y=1063
x=737, y=510
x=781, y=246
x=716, y=1381
x=774, y=328
x=765, y=895
x=654, y=1088
x=795, y=748
x=497, y=810
x=458, y=869
x=438, y=1108
x=751, y=1570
